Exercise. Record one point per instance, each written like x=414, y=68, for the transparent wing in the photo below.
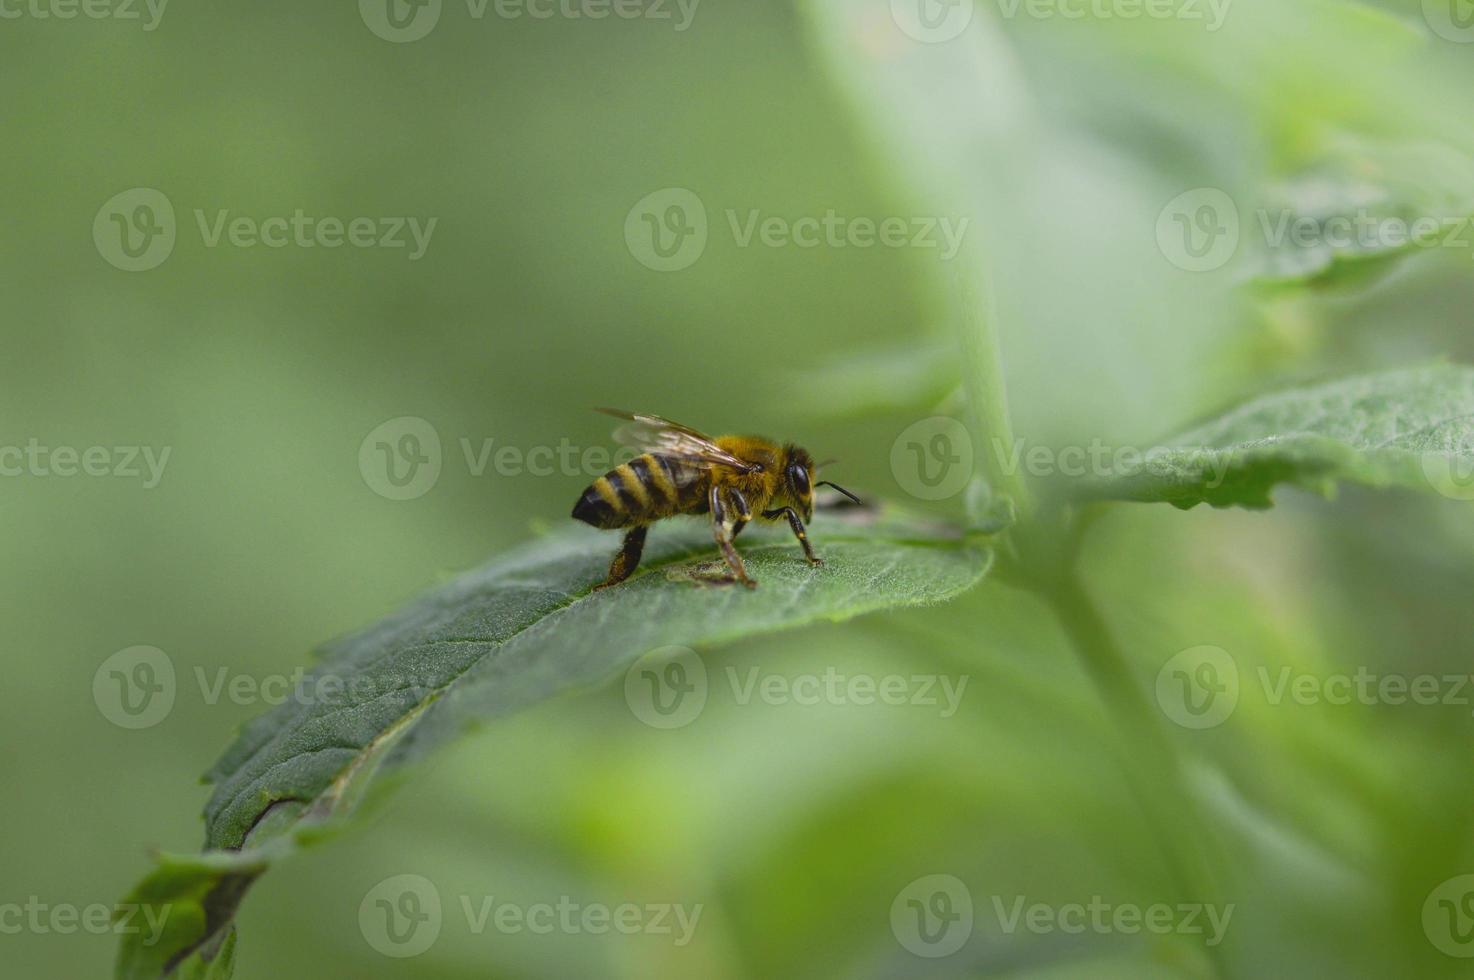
x=653, y=434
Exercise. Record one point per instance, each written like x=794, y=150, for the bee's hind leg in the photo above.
x=628, y=559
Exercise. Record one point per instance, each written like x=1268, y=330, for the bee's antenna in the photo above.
x=826, y=483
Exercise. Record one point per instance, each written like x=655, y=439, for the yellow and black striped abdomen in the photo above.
x=645, y=489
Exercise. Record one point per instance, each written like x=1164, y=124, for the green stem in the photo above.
x=1154, y=769
x=982, y=378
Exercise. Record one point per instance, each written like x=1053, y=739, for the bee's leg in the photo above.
x=740, y=511
x=798, y=531
x=726, y=515
x=628, y=559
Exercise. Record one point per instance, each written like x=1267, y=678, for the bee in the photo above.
x=682, y=471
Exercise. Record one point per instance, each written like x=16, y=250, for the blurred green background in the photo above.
x=530, y=140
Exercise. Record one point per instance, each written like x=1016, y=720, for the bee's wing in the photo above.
x=651, y=433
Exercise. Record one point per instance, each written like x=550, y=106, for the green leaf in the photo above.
x=1410, y=428
x=520, y=630
x=194, y=897
x=966, y=127
x=1358, y=210
x=899, y=377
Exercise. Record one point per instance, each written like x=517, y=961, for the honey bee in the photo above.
x=682, y=471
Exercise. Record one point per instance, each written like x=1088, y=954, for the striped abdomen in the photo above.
x=645, y=489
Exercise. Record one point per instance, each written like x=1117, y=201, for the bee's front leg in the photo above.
x=729, y=513
x=795, y=522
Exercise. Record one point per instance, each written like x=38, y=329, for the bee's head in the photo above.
x=798, y=480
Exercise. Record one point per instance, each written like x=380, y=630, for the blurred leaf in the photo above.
x=1350, y=216
x=1058, y=235
x=518, y=631
x=199, y=893
x=903, y=376
x=1411, y=428
x=219, y=967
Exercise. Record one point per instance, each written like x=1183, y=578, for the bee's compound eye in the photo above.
x=798, y=476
